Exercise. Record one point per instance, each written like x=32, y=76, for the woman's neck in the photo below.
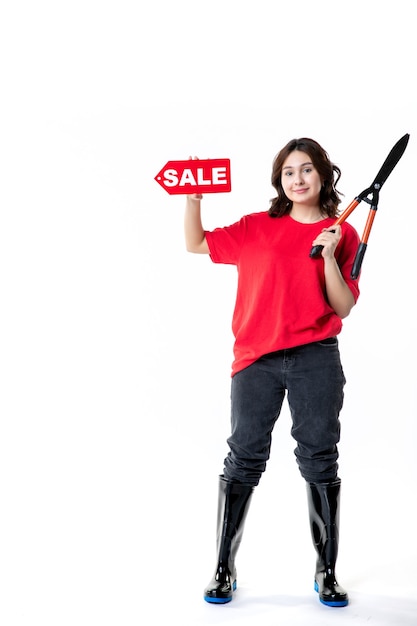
x=306, y=215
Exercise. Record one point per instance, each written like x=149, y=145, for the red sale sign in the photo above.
x=195, y=176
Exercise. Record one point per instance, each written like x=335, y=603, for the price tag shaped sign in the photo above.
x=195, y=176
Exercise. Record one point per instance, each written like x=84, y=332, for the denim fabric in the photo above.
x=312, y=378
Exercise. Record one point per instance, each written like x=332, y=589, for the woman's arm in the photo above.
x=339, y=295
x=195, y=239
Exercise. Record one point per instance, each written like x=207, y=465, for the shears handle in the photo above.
x=357, y=263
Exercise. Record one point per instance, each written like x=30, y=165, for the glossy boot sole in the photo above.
x=214, y=600
x=330, y=602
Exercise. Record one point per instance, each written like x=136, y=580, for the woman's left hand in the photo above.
x=328, y=238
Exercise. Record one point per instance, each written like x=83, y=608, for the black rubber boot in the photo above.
x=323, y=505
x=234, y=500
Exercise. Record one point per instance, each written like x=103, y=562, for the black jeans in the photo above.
x=313, y=378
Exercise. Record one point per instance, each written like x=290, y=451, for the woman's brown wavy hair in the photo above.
x=328, y=171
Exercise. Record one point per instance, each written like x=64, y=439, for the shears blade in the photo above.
x=391, y=161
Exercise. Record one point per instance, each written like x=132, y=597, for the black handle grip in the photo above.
x=315, y=251
x=357, y=263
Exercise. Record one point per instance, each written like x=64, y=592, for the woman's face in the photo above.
x=300, y=180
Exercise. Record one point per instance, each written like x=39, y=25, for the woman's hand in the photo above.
x=195, y=238
x=328, y=238
x=194, y=196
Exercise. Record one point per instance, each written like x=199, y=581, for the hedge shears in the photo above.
x=371, y=196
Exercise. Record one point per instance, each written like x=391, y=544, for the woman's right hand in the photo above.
x=195, y=237
x=194, y=196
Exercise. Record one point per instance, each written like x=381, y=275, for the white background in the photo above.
x=115, y=343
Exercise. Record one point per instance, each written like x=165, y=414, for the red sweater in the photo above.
x=281, y=300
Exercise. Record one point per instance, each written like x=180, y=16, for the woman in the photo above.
x=288, y=313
